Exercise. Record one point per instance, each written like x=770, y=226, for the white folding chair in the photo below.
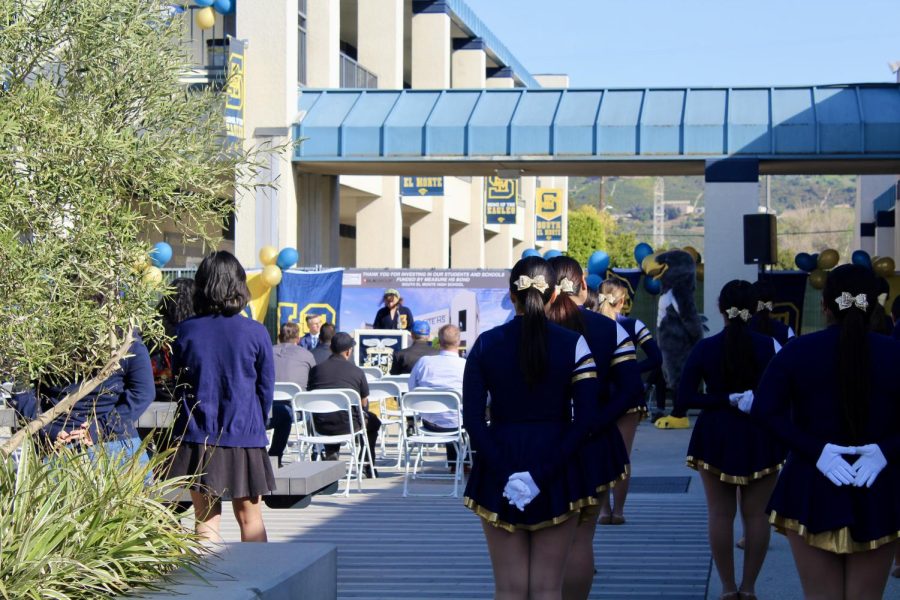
x=356, y=402
x=380, y=392
x=414, y=405
x=372, y=373
x=330, y=401
x=401, y=380
x=284, y=393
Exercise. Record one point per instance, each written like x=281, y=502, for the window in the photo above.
x=301, y=42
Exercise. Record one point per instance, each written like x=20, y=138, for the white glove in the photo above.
x=522, y=489
x=869, y=464
x=733, y=399
x=745, y=402
x=834, y=467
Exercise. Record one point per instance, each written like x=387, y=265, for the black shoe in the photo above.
x=330, y=456
x=367, y=472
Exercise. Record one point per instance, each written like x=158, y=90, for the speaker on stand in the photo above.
x=760, y=240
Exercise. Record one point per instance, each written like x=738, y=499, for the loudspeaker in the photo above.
x=760, y=239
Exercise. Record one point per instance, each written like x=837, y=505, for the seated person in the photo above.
x=311, y=339
x=405, y=359
x=323, y=350
x=339, y=372
x=292, y=365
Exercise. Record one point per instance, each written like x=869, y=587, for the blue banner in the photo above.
x=500, y=200
x=421, y=186
x=234, y=95
x=303, y=293
x=790, y=292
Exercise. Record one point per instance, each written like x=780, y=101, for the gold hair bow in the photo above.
x=539, y=283
x=735, y=312
x=764, y=306
x=882, y=298
x=567, y=285
x=846, y=300
x=601, y=298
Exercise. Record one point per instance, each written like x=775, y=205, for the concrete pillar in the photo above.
x=501, y=79
x=318, y=203
x=552, y=80
x=323, y=46
x=379, y=229
x=730, y=192
x=430, y=45
x=871, y=189
x=884, y=233
x=468, y=64
x=498, y=249
x=379, y=40
x=524, y=233
x=429, y=237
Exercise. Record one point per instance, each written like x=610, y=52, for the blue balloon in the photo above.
x=530, y=252
x=861, y=258
x=287, y=258
x=203, y=3
x=598, y=262
x=593, y=281
x=223, y=7
x=642, y=251
x=552, y=254
x=806, y=262
x=160, y=254
x=654, y=286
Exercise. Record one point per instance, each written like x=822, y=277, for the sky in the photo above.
x=683, y=43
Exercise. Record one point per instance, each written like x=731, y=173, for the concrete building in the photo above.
x=363, y=220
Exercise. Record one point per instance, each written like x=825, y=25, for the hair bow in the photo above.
x=567, y=285
x=882, y=298
x=764, y=306
x=539, y=283
x=846, y=300
x=735, y=312
x=601, y=298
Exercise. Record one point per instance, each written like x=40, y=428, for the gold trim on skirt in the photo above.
x=837, y=541
x=697, y=465
x=643, y=411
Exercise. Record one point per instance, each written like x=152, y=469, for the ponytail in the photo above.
x=612, y=291
x=564, y=311
x=531, y=301
x=737, y=302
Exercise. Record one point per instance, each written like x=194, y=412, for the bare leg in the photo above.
x=579, y=574
x=721, y=506
x=867, y=572
x=821, y=572
x=753, y=500
x=548, y=554
x=605, y=506
x=509, y=559
x=248, y=512
x=207, y=516
x=627, y=425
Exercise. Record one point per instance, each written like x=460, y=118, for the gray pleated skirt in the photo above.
x=224, y=472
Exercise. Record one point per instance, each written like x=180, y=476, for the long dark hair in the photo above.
x=878, y=320
x=220, y=285
x=853, y=356
x=177, y=305
x=564, y=311
x=533, y=347
x=765, y=292
x=739, y=363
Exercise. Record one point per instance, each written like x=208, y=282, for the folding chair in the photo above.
x=356, y=402
x=381, y=392
x=401, y=380
x=330, y=401
x=414, y=405
x=284, y=394
x=372, y=373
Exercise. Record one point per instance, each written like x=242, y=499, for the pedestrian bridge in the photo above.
x=814, y=129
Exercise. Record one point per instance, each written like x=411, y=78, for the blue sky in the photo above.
x=646, y=43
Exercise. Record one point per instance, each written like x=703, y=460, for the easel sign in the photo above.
x=376, y=347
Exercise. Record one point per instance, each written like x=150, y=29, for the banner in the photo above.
x=630, y=278
x=234, y=95
x=421, y=186
x=548, y=210
x=500, y=200
x=790, y=292
x=475, y=300
x=303, y=293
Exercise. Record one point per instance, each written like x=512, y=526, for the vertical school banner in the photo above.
x=790, y=291
x=501, y=197
x=421, y=186
x=234, y=95
x=548, y=209
x=303, y=293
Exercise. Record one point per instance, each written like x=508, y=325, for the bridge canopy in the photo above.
x=813, y=129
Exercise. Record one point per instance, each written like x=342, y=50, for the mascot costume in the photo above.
x=678, y=324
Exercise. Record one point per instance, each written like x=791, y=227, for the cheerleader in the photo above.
x=832, y=397
x=530, y=478
x=730, y=451
x=613, y=352
x=762, y=321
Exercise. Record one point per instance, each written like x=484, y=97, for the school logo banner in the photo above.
x=501, y=200
x=790, y=292
x=548, y=211
x=421, y=186
x=234, y=95
x=303, y=293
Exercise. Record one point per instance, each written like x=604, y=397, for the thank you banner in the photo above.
x=548, y=211
x=421, y=186
x=303, y=293
x=501, y=197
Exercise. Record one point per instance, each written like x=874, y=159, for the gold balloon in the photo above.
x=271, y=275
x=205, y=18
x=828, y=259
x=152, y=276
x=700, y=270
x=884, y=266
x=268, y=255
x=693, y=252
x=817, y=279
x=140, y=264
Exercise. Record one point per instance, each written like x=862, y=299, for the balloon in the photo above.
x=654, y=286
x=205, y=18
x=160, y=254
x=530, y=252
x=140, y=265
x=804, y=262
x=268, y=255
x=223, y=6
x=699, y=271
x=884, y=266
x=641, y=251
x=203, y=3
x=552, y=254
x=828, y=259
x=861, y=258
x=287, y=258
x=271, y=275
x=152, y=276
x=593, y=281
x=598, y=263
x=693, y=252
x=817, y=279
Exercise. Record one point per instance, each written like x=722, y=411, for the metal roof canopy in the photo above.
x=814, y=129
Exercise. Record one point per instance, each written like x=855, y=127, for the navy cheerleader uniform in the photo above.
x=609, y=339
x=725, y=441
x=778, y=330
x=542, y=428
x=799, y=400
x=641, y=337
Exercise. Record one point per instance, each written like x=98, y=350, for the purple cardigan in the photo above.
x=226, y=379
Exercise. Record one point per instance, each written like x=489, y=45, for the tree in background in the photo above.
x=591, y=230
